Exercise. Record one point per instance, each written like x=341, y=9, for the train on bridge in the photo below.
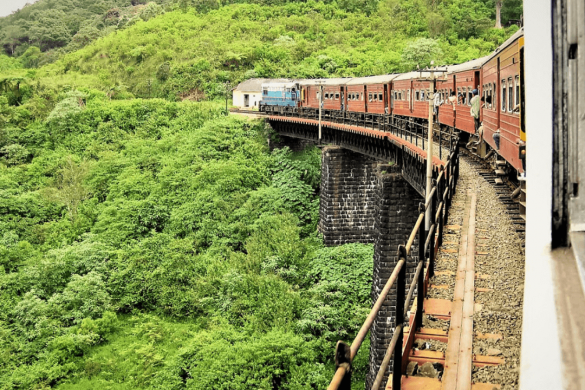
x=405, y=98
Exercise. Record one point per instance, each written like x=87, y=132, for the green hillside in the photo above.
x=185, y=53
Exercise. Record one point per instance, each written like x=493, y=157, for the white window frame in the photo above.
x=517, y=91
x=503, y=92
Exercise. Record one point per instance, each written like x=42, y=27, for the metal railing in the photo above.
x=414, y=130
x=439, y=202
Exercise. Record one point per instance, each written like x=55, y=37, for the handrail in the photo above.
x=419, y=221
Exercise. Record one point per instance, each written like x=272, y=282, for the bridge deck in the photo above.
x=378, y=134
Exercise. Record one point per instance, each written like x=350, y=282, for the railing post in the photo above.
x=343, y=359
x=421, y=258
x=400, y=287
x=440, y=198
x=433, y=206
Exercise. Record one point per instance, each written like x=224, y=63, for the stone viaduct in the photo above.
x=372, y=183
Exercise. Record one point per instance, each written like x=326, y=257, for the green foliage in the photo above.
x=9, y=63
x=214, y=360
x=420, y=53
x=167, y=209
x=341, y=278
x=180, y=53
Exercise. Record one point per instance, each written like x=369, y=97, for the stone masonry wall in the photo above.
x=348, y=197
x=396, y=212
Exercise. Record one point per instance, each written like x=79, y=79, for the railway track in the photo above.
x=504, y=189
x=470, y=338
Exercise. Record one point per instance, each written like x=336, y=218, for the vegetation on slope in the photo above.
x=154, y=244
x=186, y=54
x=148, y=243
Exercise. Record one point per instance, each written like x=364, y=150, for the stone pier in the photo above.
x=348, y=197
x=365, y=201
x=396, y=214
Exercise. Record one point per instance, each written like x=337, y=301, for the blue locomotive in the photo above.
x=285, y=94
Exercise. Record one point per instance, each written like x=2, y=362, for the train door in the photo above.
x=342, y=98
x=522, y=100
x=498, y=96
x=385, y=102
x=476, y=82
x=410, y=96
x=365, y=98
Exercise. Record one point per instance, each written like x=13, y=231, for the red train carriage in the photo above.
x=370, y=94
x=461, y=79
x=445, y=86
x=401, y=89
x=410, y=93
x=333, y=93
x=502, y=89
x=420, y=98
x=467, y=78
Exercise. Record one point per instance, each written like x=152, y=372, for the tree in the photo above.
x=69, y=186
x=498, y=14
x=12, y=38
x=420, y=53
x=31, y=57
x=50, y=30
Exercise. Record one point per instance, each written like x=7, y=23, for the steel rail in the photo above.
x=439, y=209
x=430, y=198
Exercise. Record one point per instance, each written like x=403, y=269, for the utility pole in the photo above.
x=430, y=141
x=430, y=151
x=320, y=105
x=227, y=91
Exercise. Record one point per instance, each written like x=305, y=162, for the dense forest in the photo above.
x=147, y=240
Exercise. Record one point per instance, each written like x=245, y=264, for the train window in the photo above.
x=336, y=96
x=510, y=95
x=503, y=95
x=516, y=92
x=416, y=95
x=469, y=97
x=494, y=97
x=370, y=97
x=380, y=97
x=422, y=95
